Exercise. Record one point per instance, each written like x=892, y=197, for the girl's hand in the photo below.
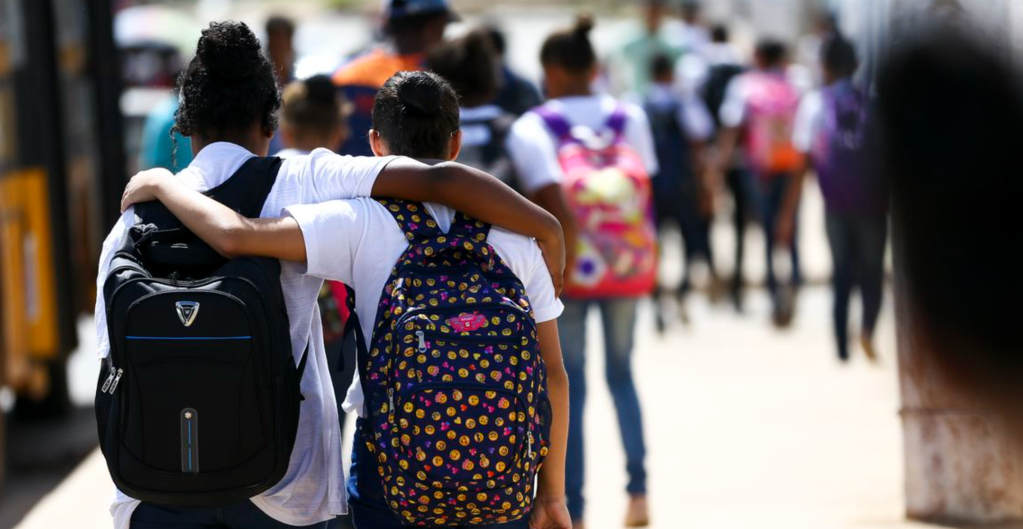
x=550, y=514
x=143, y=186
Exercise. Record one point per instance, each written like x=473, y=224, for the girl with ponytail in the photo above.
x=576, y=117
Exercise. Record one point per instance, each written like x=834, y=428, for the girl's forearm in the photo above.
x=552, y=475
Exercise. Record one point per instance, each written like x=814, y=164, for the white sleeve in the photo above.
x=332, y=232
x=807, y=118
x=324, y=175
x=733, y=108
x=113, y=242
x=696, y=117
x=540, y=288
x=531, y=148
x=641, y=137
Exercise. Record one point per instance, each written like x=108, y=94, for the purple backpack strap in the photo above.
x=555, y=121
x=616, y=121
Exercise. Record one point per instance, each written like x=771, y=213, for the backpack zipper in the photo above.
x=422, y=341
x=529, y=445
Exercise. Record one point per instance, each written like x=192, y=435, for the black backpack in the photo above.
x=483, y=147
x=199, y=403
x=716, y=87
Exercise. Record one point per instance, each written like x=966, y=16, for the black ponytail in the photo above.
x=416, y=113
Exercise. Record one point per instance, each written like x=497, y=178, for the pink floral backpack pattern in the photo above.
x=455, y=385
x=608, y=188
x=771, y=106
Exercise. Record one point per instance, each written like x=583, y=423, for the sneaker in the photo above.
x=867, y=343
x=638, y=513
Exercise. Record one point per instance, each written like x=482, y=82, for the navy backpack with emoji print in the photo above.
x=455, y=386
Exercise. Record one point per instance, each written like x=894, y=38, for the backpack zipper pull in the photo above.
x=529, y=445
x=113, y=387
x=110, y=379
x=390, y=400
x=422, y=341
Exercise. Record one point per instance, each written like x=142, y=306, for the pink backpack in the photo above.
x=772, y=107
x=608, y=188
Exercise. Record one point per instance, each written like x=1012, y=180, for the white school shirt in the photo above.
x=735, y=107
x=533, y=147
x=358, y=242
x=313, y=489
x=809, y=119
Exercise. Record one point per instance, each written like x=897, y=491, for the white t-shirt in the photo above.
x=808, y=121
x=313, y=490
x=358, y=242
x=533, y=147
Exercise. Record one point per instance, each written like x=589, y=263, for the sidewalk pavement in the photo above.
x=746, y=426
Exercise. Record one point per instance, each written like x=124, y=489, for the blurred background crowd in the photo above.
x=772, y=214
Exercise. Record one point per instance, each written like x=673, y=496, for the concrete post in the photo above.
x=961, y=464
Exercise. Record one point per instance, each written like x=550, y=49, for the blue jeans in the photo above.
x=243, y=515
x=858, y=244
x=366, y=493
x=773, y=190
x=619, y=322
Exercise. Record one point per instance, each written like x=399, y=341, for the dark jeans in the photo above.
x=773, y=190
x=619, y=321
x=366, y=494
x=858, y=243
x=740, y=185
x=243, y=515
x=695, y=231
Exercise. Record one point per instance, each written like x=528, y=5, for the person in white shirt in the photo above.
x=356, y=241
x=229, y=103
x=570, y=66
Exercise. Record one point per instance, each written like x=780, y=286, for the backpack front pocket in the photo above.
x=221, y=379
x=461, y=434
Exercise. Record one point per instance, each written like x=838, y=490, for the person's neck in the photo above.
x=580, y=90
x=249, y=142
x=409, y=45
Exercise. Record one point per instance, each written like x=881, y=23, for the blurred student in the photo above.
x=161, y=145
x=516, y=94
x=630, y=66
x=693, y=35
x=681, y=125
x=280, y=49
x=832, y=131
x=412, y=27
x=470, y=64
x=760, y=110
x=561, y=152
x=723, y=63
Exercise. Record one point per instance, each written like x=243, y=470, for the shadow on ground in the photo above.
x=40, y=454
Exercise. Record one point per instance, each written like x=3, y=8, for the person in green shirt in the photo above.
x=630, y=71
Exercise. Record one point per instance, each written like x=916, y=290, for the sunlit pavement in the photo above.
x=747, y=427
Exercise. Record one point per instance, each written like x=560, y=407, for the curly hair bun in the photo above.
x=230, y=50
x=420, y=95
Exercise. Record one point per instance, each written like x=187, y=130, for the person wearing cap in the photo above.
x=413, y=27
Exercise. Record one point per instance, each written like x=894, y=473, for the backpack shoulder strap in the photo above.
x=555, y=121
x=412, y=218
x=616, y=121
x=248, y=188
